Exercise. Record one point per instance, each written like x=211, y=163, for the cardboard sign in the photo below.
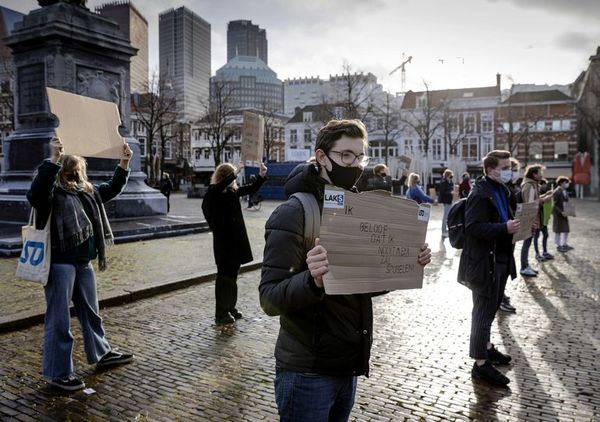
x=569, y=209
x=526, y=214
x=87, y=126
x=253, y=138
x=372, y=240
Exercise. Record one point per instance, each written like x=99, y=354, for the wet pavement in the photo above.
x=187, y=369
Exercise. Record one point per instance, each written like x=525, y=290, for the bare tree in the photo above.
x=271, y=132
x=7, y=99
x=387, y=121
x=217, y=116
x=352, y=94
x=453, y=135
x=425, y=119
x=155, y=110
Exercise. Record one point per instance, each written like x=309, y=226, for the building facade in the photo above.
x=539, y=127
x=203, y=160
x=246, y=39
x=184, y=59
x=249, y=84
x=452, y=128
x=134, y=26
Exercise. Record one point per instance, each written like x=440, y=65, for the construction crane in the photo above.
x=402, y=71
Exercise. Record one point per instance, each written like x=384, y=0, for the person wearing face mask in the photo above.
x=464, y=186
x=560, y=222
x=324, y=340
x=415, y=191
x=381, y=181
x=79, y=233
x=231, y=247
x=487, y=260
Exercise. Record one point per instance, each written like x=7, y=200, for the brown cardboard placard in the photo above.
x=253, y=138
x=372, y=240
x=87, y=126
x=526, y=214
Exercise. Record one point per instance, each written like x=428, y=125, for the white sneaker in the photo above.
x=528, y=272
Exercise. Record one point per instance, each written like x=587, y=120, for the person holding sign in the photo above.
x=223, y=213
x=487, y=260
x=80, y=233
x=324, y=341
x=560, y=221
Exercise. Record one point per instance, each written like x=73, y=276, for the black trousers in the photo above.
x=226, y=289
x=484, y=312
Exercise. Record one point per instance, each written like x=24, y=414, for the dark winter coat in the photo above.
x=487, y=240
x=445, y=191
x=464, y=188
x=43, y=193
x=318, y=333
x=560, y=223
x=223, y=213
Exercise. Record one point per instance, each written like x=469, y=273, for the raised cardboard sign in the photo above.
x=526, y=214
x=253, y=138
x=372, y=240
x=87, y=126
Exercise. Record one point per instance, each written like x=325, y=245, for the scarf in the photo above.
x=502, y=202
x=73, y=225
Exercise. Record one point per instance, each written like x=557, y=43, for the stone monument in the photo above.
x=64, y=45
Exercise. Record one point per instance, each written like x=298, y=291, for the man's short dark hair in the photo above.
x=492, y=159
x=561, y=179
x=533, y=169
x=335, y=129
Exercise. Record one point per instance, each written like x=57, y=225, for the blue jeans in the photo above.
x=313, y=397
x=445, y=219
x=78, y=283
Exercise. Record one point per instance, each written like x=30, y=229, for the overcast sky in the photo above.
x=454, y=44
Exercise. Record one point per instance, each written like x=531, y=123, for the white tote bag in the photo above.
x=34, y=262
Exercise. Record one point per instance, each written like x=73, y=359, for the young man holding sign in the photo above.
x=487, y=260
x=325, y=340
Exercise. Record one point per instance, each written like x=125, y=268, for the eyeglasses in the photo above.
x=349, y=158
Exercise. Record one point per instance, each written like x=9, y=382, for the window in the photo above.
x=566, y=125
x=307, y=136
x=470, y=124
x=540, y=126
x=548, y=125
x=142, y=142
x=486, y=126
x=422, y=101
x=535, y=151
x=197, y=153
x=307, y=116
x=555, y=125
x=436, y=149
x=408, y=147
x=206, y=153
x=486, y=145
x=561, y=151
x=293, y=136
x=196, y=135
x=168, y=150
x=453, y=124
x=421, y=146
x=469, y=149
x=339, y=113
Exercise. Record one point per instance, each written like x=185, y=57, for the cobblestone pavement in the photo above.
x=135, y=264
x=187, y=369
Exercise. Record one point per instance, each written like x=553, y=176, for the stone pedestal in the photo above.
x=68, y=47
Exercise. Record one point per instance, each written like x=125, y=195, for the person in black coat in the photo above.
x=324, y=341
x=223, y=212
x=79, y=233
x=445, y=196
x=166, y=187
x=487, y=260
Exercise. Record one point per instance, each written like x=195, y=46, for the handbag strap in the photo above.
x=33, y=218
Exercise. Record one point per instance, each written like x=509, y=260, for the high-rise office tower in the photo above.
x=135, y=27
x=184, y=59
x=246, y=39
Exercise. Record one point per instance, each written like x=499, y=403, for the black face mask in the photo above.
x=73, y=177
x=343, y=177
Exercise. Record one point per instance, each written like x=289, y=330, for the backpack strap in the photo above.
x=312, y=218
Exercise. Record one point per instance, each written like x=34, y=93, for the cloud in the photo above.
x=572, y=40
x=587, y=8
